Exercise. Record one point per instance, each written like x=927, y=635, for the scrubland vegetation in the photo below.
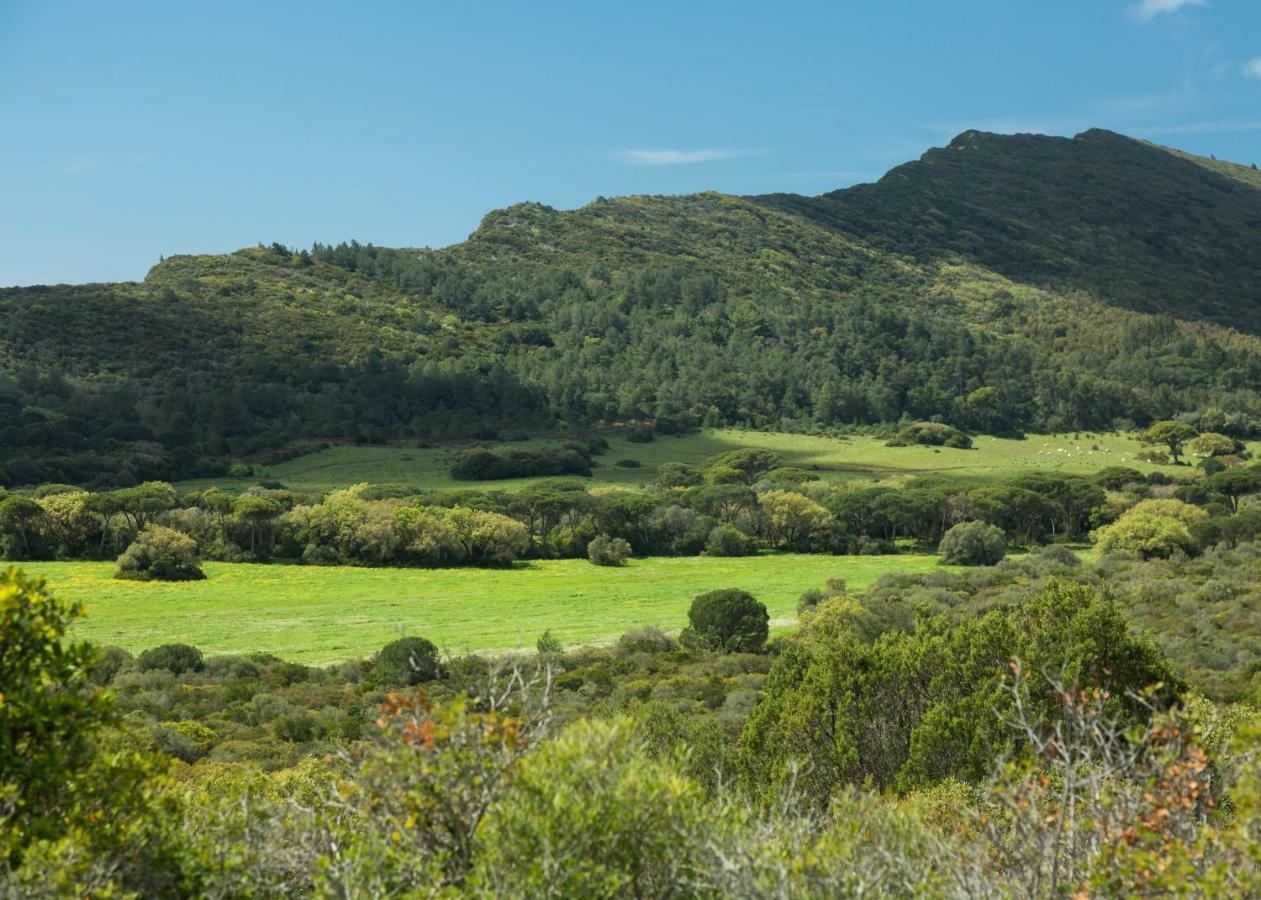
x=901, y=541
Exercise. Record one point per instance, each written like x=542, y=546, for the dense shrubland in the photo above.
x=1047, y=746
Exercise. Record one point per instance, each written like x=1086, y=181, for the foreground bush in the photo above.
x=629, y=824
x=47, y=709
x=160, y=554
x=973, y=544
x=608, y=551
x=729, y=621
x=407, y=661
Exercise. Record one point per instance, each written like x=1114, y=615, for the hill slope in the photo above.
x=1002, y=283
x=1133, y=223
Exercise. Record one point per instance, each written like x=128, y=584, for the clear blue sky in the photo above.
x=129, y=130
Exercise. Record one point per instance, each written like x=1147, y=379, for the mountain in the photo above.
x=1000, y=283
x=1133, y=223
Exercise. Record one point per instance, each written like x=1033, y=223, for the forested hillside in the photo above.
x=1000, y=284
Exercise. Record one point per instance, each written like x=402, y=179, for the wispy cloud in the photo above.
x=1252, y=68
x=82, y=164
x=1146, y=10
x=671, y=156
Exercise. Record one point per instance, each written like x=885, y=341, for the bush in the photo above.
x=728, y=540
x=628, y=464
x=174, y=658
x=549, y=644
x=973, y=544
x=109, y=661
x=1061, y=556
x=160, y=554
x=407, y=661
x=608, y=551
x=649, y=639
x=931, y=434
x=728, y=620
x=482, y=464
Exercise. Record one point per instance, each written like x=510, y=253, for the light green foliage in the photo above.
x=47, y=711
x=160, y=554
x=590, y=814
x=1211, y=444
x=1171, y=434
x=790, y=519
x=1151, y=528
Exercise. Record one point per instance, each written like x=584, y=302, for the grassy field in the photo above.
x=325, y=614
x=835, y=459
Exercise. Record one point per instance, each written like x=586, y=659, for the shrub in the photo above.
x=608, y=551
x=628, y=464
x=1060, y=555
x=407, y=661
x=728, y=620
x=728, y=540
x=649, y=639
x=160, y=554
x=639, y=435
x=1114, y=478
x=973, y=544
x=629, y=824
x=174, y=658
x=931, y=434
x=549, y=644
x=1147, y=536
x=482, y=464
x=108, y=662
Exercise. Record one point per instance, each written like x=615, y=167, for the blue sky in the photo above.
x=129, y=130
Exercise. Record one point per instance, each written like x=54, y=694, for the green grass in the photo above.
x=326, y=614
x=836, y=459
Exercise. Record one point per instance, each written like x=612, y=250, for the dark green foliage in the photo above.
x=1134, y=224
x=973, y=544
x=728, y=620
x=407, y=661
x=906, y=709
x=932, y=434
x=781, y=311
x=174, y=658
x=603, y=550
x=481, y=464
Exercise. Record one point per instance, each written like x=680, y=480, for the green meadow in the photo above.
x=321, y=614
x=836, y=459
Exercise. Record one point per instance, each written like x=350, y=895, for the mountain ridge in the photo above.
x=1000, y=283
